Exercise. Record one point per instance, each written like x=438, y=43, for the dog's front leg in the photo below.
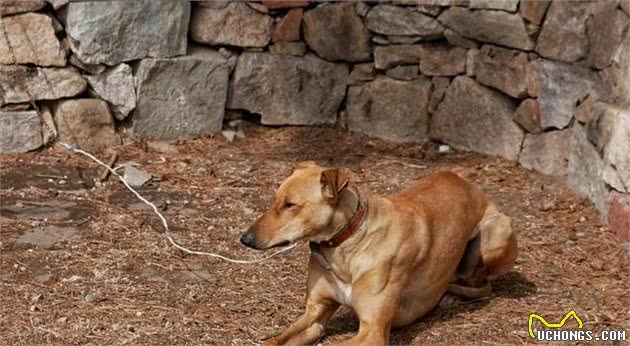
x=320, y=306
x=375, y=299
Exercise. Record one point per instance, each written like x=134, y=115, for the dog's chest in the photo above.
x=343, y=291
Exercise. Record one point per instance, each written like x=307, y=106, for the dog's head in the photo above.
x=304, y=208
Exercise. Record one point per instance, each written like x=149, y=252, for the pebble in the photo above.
x=582, y=219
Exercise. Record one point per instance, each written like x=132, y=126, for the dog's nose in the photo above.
x=249, y=239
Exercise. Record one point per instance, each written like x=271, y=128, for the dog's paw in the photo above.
x=449, y=301
x=271, y=342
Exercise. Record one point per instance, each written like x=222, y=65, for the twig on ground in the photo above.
x=163, y=219
x=48, y=176
x=110, y=163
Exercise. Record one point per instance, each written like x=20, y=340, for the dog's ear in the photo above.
x=333, y=182
x=304, y=164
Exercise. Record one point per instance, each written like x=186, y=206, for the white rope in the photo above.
x=163, y=219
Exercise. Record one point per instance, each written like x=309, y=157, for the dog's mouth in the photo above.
x=281, y=244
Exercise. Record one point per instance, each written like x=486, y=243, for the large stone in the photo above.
x=458, y=40
x=563, y=35
x=362, y=73
x=275, y=4
x=30, y=39
x=559, y=87
x=336, y=32
x=503, y=69
x=404, y=72
x=236, y=25
x=182, y=97
x=547, y=153
x=288, y=48
x=442, y=60
x=495, y=27
x=586, y=168
x=605, y=29
x=528, y=116
x=85, y=122
x=20, y=132
x=288, y=90
x=534, y=11
x=474, y=117
x=619, y=215
x=505, y=5
x=116, y=86
x=610, y=132
x=20, y=83
x=8, y=7
x=616, y=78
x=393, y=20
x=390, y=109
x=288, y=29
x=111, y=32
x=389, y=56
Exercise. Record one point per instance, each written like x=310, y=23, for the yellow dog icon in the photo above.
x=569, y=314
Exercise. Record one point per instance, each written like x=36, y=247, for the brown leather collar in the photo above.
x=348, y=230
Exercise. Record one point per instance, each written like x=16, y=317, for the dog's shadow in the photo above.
x=512, y=285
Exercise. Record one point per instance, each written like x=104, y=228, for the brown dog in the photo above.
x=390, y=258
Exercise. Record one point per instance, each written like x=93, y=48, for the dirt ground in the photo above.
x=85, y=263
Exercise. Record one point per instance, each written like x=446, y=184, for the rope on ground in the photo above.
x=163, y=219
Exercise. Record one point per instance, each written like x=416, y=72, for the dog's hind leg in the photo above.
x=491, y=253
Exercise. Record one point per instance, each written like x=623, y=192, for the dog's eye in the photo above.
x=288, y=205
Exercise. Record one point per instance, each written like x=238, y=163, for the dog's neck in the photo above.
x=352, y=210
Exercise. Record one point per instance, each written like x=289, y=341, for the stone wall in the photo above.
x=543, y=83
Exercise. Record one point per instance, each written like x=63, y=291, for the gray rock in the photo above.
x=505, y=5
x=20, y=83
x=616, y=78
x=473, y=117
x=389, y=56
x=57, y=4
x=503, y=69
x=405, y=72
x=30, y=39
x=9, y=7
x=88, y=68
x=195, y=102
x=528, y=116
x=586, y=169
x=610, y=132
x=336, y=32
x=559, y=87
x=534, y=11
x=235, y=25
x=85, y=122
x=116, y=86
x=390, y=109
x=472, y=56
x=361, y=8
x=392, y=20
x=440, y=85
x=625, y=6
x=393, y=39
x=563, y=35
x=362, y=73
x=143, y=28
x=584, y=111
x=288, y=90
x=20, y=132
x=136, y=177
x=288, y=48
x=458, y=40
x=49, y=129
x=547, y=153
x=48, y=237
x=605, y=30
x=442, y=60
x=495, y=27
